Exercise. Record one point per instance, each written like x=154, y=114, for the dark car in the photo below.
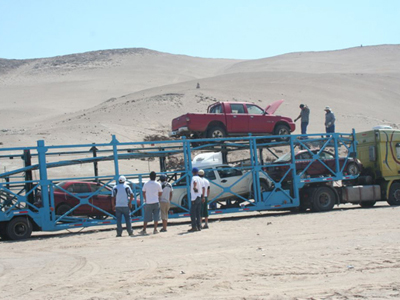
x=63, y=201
x=325, y=165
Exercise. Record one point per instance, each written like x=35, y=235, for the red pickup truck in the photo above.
x=233, y=119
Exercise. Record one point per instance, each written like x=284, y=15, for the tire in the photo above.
x=216, y=132
x=323, y=199
x=62, y=209
x=352, y=169
x=264, y=187
x=185, y=202
x=19, y=228
x=394, y=194
x=367, y=204
x=282, y=130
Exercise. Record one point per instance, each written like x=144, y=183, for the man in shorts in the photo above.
x=204, y=205
x=152, y=192
x=165, y=201
x=122, y=204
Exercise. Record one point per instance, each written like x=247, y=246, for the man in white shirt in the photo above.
x=196, y=192
x=122, y=204
x=204, y=205
x=165, y=201
x=151, y=194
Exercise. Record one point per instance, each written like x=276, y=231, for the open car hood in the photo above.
x=271, y=109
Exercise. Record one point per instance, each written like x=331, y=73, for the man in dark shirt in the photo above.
x=305, y=117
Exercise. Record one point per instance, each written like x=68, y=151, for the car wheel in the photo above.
x=366, y=204
x=394, y=194
x=62, y=209
x=323, y=199
x=216, y=132
x=282, y=130
x=353, y=169
x=19, y=228
x=185, y=202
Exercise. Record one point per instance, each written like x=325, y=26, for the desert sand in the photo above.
x=349, y=253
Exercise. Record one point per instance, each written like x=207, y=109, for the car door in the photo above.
x=258, y=121
x=228, y=176
x=237, y=119
x=102, y=199
x=77, y=189
x=211, y=175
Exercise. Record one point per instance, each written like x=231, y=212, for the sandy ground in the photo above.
x=348, y=253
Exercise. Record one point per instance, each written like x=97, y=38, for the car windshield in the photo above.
x=285, y=157
x=60, y=185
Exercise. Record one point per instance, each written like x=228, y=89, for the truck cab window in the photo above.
x=217, y=109
x=237, y=108
x=254, y=110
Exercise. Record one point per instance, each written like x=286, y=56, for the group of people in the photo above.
x=305, y=118
x=157, y=198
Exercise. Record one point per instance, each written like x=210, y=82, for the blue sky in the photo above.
x=225, y=29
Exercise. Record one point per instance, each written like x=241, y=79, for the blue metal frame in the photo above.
x=281, y=195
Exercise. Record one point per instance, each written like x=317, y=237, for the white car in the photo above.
x=221, y=176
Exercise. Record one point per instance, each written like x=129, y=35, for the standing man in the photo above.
x=329, y=120
x=305, y=117
x=206, y=192
x=196, y=192
x=122, y=204
x=152, y=192
x=165, y=201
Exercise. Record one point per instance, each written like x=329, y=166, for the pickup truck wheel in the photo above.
x=216, y=132
x=323, y=199
x=282, y=130
x=394, y=194
x=19, y=228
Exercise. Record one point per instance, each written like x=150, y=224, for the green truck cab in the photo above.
x=379, y=152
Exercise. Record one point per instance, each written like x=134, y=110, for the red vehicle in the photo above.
x=63, y=201
x=318, y=167
x=233, y=119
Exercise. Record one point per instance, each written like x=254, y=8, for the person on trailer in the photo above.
x=305, y=117
x=152, y=192
x=122, y=204
x=196, y=192
x=329, y=120
x=206, y=192
x=165, y=201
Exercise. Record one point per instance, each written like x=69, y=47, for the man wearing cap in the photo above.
x=165, y=201
x=206, y=192
x=329, y=120
x=152, y=192
x=122, y=204
x=304, y=115
x=196, y=192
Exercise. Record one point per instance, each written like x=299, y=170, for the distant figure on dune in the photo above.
x=305, y=117
x=329, y=120
x=198, y=86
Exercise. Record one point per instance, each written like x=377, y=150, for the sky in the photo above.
x=206, y=28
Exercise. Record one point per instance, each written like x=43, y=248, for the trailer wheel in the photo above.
x=323, y=199
x=394, y=194
x=19, y=228
x=216, y=132
x=367, y=204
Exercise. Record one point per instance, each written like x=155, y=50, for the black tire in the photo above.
x=62, y=209
x=323, y=199
x=394, y=194
x=367, y=204
x=352, y=169
x=19, y=228
x=185, y=202
x=282, y=130
x=264, y=187
x=216, y=132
